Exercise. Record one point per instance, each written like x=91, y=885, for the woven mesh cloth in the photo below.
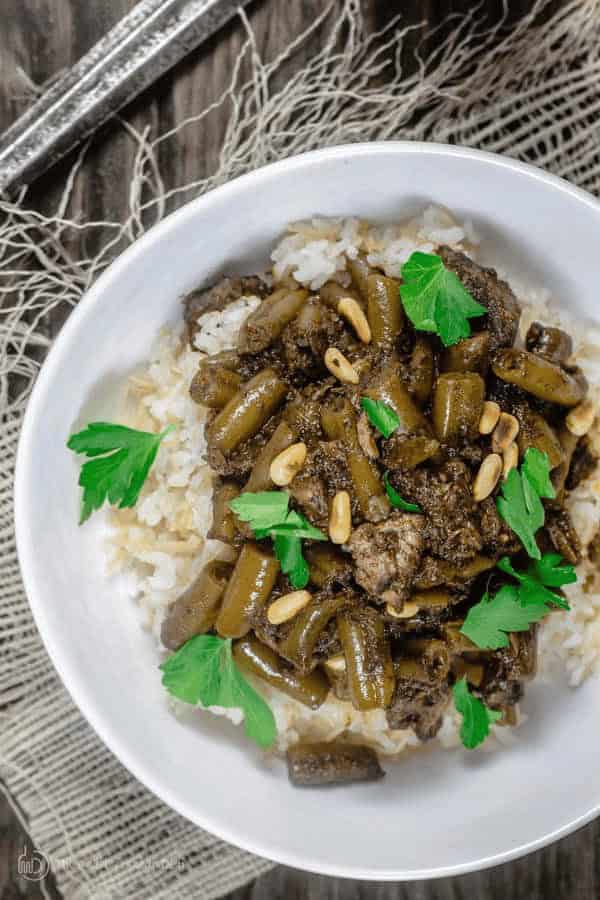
x=532, y=92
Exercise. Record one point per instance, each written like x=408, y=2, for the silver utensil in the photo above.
x=146, y=43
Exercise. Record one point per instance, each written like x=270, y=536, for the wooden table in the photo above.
x=38, y=38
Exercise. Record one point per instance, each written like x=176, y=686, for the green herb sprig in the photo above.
x=204, y=671
x=477, y=717
x=380, y=415
x=268, y=515
x=435, y=300
x=520, y=502
x=123, y=457
x=516, y=607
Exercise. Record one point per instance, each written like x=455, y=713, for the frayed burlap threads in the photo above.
x=532, y=92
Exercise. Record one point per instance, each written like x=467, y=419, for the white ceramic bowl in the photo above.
x=436, y=813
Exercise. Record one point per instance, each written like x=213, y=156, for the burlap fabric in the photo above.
x=532, y=92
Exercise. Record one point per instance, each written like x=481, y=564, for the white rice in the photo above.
x=161, y=544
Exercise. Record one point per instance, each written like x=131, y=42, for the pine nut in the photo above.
x=407, y=612
x=285, y=608
x=489, y=417
x=581, y=418
x=336, y=663
x=487, y=477
x=339, y=366
x=340, y=519
x=350, y=309
x=287, y=464
x=505, y=432
x=510, y=458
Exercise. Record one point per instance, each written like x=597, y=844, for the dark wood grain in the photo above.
x=38, y=38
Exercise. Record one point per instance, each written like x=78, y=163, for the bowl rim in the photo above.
x=35, y=593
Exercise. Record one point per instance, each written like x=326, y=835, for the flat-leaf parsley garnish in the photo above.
x=380, y=415
x=396, y=500
x=533, y=584
x=204, y=671
x=434, y=298
x=520, y=505
x=123, y=457
x=268, y=515
x=477, y=717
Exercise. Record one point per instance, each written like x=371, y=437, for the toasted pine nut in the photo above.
x=505, y=432
x=287, y=464
x=285, y=608
x=489, y=417
x=407, y=612
x=487, y=477
x=336, y=663
x=339, y=366
x=581, y=418
x=349, y=308
x=340, y=519
x=510, y=458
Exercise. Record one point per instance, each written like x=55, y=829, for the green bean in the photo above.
x=339, y=423
x=332, y=762
x=260, y=479
x=359, y=272
x=552, y=343
x=405, y=452
x=368, y=658
x=247, y=412
x=473, y=671
x=299, y=644
x=441, y=572
x=469, y=355
x=388, y=388
x=539, y=377
x=331, y=293
x=433, y=654
x=248, y=590
x=214, y=386
x=456, y=640
x=535, y=431
x=422, y=365
x=255, y=658
x=327, y=564
x=457, y=405
x=432, y=599
x=368, y=486
x=384, y=310
x=195, y=611
x=223, y=526
x=265, y=324
x=568, y=443
x=411, y=669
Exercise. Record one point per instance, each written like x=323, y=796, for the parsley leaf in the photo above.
x=549, y=572
x=203, y=671
x=488, y=622
x=123, y=457
x=435, y=299
x=521, y=509
x=261, y=510
x=268, y=515
x=533, y=584
x=395, y=498
x=536, y=468
x=288, y=550
x=380, y=415
x=477, y=717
